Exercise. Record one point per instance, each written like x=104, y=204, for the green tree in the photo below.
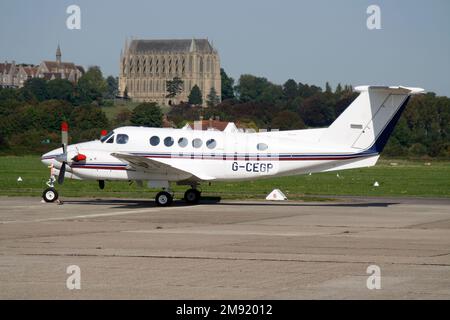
x=112, y=90
x=306, y=91
x=212, y=98
x=227, y=85
x=61, y=89
x=88, y=117
x=251, y=88
x=338, y=91
x=290, y=90
x=148, y=115
x=316, y=112
x=174, y=87
x=287, y=120
x=92, y=86
x=328, y=88
x=195, y=97
x=36, y=88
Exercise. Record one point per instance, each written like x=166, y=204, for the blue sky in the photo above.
x=309, y=41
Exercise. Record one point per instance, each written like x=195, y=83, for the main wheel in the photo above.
x=163, y=199
x=192, y=196
x=50, y=195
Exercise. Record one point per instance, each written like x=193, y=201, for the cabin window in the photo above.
x=262, y=147
x=122, y=139
x=211, y=143
x=154, y=141
x=110, y=140
x=168, y=142
x=183, y=142
x=103, y=139
x=197, y=143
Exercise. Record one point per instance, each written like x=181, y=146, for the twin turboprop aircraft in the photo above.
x=189, y=157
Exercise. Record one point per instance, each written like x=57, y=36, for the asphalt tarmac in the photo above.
x=130, y=249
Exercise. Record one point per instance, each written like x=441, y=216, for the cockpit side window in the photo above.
x=103, y=139
x=110, y=140
x=122, y=139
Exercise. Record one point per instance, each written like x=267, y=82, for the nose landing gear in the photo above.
x=50, y=194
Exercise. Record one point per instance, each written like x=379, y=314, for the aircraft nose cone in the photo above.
x=47, y=158
x=51, y=157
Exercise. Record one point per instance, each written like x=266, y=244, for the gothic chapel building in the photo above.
x=146, y=65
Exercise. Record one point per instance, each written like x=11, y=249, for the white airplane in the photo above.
x=189, y=157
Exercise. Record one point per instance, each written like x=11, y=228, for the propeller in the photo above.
x=64, y=141
x=63, y=157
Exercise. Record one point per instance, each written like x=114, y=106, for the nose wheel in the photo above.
x=50, y=195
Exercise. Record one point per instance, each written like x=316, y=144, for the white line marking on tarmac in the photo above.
x=225, y=232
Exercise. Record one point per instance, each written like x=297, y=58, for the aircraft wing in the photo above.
x=152, y=165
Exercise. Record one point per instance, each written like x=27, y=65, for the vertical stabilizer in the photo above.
x=368, y=122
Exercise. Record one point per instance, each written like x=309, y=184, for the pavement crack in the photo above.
x=225, y=259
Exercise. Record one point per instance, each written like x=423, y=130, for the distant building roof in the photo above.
x=209, y=125
x=52, y=75
x=179, y=45
x=30, y=70
x=5, y=67
x=64, y=65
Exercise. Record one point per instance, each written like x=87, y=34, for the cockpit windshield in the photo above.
x=103, y=139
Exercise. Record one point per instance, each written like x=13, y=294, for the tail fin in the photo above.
x=369, y=121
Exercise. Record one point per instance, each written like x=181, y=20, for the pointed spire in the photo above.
x=126, y=45
x=193, y=47
x=58, y=54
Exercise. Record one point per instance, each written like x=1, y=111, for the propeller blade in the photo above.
x=64, y=136
x=62, y=173
x=64, y=133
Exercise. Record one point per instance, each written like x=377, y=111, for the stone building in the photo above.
x=14, y=75
x=146, y=65
x=58, y=69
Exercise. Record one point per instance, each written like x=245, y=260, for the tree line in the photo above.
x=30, y=117
x=255, y=102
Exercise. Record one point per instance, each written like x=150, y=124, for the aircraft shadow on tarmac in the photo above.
x=126, y=203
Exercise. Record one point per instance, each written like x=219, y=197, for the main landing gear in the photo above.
x=192, y=196
x=165, y=198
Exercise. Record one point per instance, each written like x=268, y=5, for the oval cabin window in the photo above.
x=262, y=147
x=154, y=141
x=168, y=142
x=211, y=143
x=197, y=143
x=183, y=142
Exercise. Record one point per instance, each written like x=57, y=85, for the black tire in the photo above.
x=50, y=195
x=192, y=196
x=163, y=199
